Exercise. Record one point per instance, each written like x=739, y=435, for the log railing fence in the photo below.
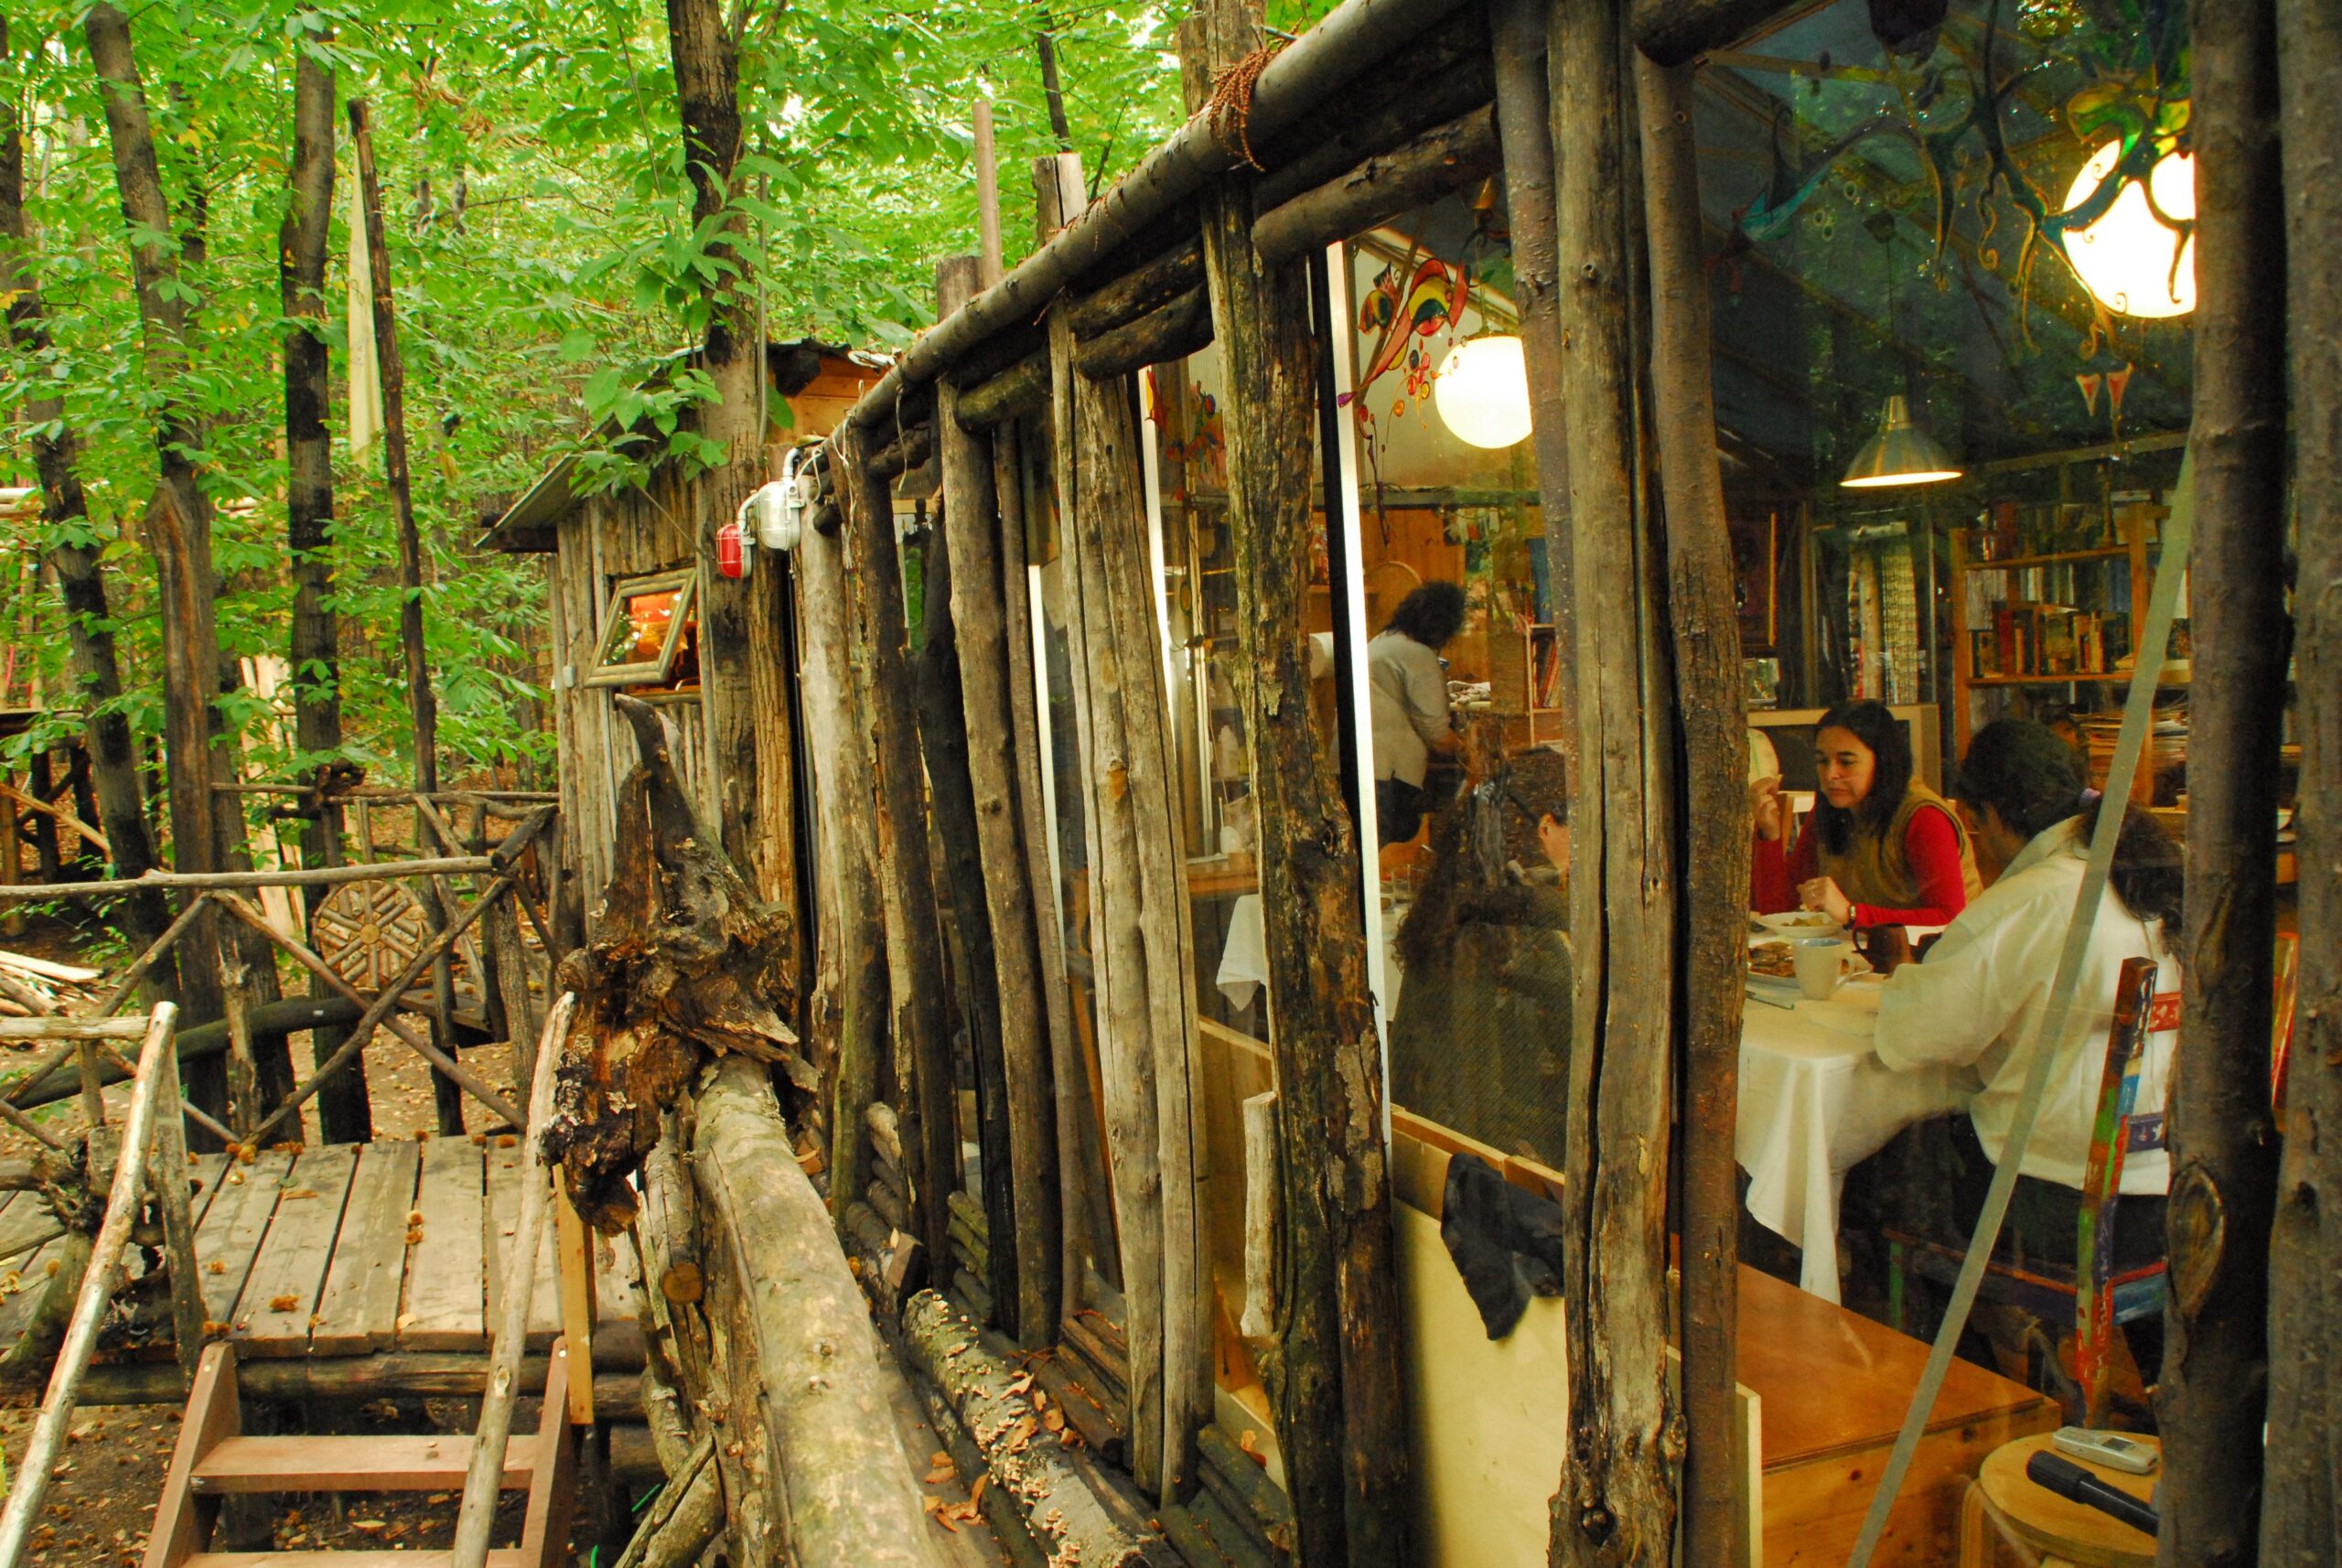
x=499, y=892
x=151, y=1154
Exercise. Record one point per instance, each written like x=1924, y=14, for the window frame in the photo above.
x=683, y=581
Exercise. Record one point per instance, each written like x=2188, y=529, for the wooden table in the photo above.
x=1833, y=1387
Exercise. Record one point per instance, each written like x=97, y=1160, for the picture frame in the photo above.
x=1756, y=580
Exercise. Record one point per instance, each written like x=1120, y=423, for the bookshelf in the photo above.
x=2036, y=642
x=1525, y=669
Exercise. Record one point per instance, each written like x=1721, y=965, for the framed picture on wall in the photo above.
x=1755, y=579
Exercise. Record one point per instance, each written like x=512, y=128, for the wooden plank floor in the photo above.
x=347, y=1249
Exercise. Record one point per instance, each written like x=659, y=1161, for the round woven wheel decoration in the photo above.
x=368, y=932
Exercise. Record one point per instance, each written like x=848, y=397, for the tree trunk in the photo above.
x=2302, y=1512
x=2212, y=1397
x=944, y=740
x=848, y=1003
x=707, y=86
x=93, y=674
x=1615, y=1501
x=1716, y=847
x=921, y=1038
x=344, y=1113
x=178, y=523
x=1333, y=1377
x=971, y=525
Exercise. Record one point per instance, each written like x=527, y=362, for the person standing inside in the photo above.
x=1407, y=681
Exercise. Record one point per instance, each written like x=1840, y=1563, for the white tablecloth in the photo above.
x=1814, y=1101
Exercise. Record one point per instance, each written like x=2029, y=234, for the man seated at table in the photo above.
x=1980, y=998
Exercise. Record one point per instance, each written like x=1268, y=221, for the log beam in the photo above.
x=1446, y=158
x=811, y=1378
x=1171, y=332
x=1020, y=389
x=1673, y=31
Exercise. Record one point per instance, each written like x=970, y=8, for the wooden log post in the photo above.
x=2302, y=1488
x=1615, y=1501
x=1082, y=1181
x=807, y=1395
x=1138, y=900
x=2212, y=1395
x=944, y=740
x=847, y=1003
x=971, y=528
x=1334, y=1378
x=1706, y=626
x=1525, y=130
x=920, y=1036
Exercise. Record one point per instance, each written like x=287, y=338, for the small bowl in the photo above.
x=1801, y=923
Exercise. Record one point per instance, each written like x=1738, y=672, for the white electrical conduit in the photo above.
x=2138, y=708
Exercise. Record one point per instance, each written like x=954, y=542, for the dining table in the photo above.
x=1815, y=1101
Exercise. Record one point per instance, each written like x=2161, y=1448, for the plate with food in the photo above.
x=1801, y=923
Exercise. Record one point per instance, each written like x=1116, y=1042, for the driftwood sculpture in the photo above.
x=686, y=962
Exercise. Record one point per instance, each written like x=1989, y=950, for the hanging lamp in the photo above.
x=1899, y=454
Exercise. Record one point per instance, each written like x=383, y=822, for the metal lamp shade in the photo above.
x=1900, y=454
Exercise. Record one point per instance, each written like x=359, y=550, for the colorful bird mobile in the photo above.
x=1406, y=314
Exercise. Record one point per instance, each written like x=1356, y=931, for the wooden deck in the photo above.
x=353, y=1249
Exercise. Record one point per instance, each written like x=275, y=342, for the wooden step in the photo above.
x=427, y=1463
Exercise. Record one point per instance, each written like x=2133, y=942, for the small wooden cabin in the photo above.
x=626, y=580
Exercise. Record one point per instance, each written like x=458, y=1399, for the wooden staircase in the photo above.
x=214, y=1458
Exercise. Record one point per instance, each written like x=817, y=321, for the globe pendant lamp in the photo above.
x=1900, y=454
x=2133, y=261
x=1482, y=392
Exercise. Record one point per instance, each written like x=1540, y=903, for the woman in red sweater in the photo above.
x=1880, y=848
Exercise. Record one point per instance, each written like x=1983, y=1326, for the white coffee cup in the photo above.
x=1821, y=964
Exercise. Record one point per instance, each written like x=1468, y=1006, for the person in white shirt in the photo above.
x=1407, y=683
x=1979, y=999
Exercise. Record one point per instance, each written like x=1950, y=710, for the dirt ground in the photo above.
x=102, y=1500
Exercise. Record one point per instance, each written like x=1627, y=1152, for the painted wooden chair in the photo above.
x=2094, y=1297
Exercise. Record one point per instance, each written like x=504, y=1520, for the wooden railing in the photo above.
x=454, y=914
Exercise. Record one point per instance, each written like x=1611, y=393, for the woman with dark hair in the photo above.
x=1880, y=848
x=1407, y=683
x=1981, y=998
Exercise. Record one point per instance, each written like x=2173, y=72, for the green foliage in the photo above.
x=547, y=269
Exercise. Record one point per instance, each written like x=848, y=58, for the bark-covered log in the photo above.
x=908, y=451
x=1672, y=31
x=925, y=1099
x=1706, y=626
x=993, y=1399
x=1335, y=1376
x=847, y=1008
x=1525, y=132
x=1177, y=330
x=685, y=960
x=1447, y=158
x=1022, y=388
x=2304, y=1479
x=808, y=1388
x=1614, y=1503
x=1139, y=292
x=2212, y=1398
x=971, y=525
x=1293, y=85
x=951, y=799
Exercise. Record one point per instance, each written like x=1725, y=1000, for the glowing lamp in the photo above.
x=1482, y=392
x=1900, y=454
x=2125, y=259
